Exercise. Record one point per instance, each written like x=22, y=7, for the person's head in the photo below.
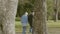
x=32, y=12
x=26, y=13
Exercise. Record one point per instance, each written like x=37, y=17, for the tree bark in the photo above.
x=7, y=15
x=56, y=5
x=40, y=17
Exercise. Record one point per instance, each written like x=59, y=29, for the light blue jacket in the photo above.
x=24, y=20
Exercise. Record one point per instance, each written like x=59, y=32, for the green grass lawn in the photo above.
x=50, y=23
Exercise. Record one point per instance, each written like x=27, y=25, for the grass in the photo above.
x=50, y=23
x=18, y=26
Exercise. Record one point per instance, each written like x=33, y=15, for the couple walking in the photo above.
x=25, y=18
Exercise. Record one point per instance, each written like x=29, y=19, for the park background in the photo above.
x=27, y=5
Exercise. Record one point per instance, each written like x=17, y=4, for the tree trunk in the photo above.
x=7, y=15
x=56, y=3
x=39, y=21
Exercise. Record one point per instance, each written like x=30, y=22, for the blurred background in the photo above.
x=53, y=15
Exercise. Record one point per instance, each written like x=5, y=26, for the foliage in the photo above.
x=17, y=19
x=50, y=9
x=28, y=6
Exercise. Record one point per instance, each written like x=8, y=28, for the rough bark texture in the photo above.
x=8, y=10
x=39, y=21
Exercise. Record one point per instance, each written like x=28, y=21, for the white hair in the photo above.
x=26, y=13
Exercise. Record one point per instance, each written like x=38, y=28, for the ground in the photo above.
x=53, y=27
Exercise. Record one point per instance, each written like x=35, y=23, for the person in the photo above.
x=30, y=20
x=24, y=20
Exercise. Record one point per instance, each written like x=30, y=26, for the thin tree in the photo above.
x=56, y=5
x=40, y=15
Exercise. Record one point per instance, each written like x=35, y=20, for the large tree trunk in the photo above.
x=39, y=21
x=8, y=10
